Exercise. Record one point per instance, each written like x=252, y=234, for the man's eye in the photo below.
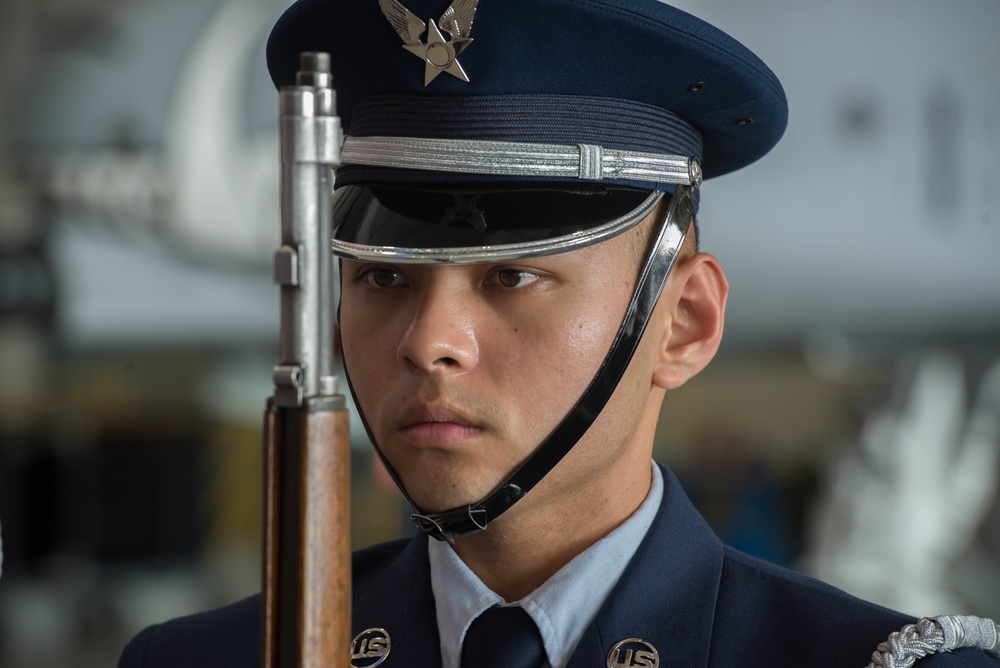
x=515, y=278
x=380, y=277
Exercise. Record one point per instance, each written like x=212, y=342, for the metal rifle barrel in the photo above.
x=305, y=612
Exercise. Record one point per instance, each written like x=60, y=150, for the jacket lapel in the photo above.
x=666, y=596
x=399, y=600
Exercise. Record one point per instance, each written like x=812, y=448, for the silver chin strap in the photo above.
x=465, y=520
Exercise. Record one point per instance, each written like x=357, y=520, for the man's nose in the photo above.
x=441, y=337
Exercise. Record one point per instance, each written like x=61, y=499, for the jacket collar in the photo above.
x=667, y=594
x=400, y=602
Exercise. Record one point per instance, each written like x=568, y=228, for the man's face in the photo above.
x=462, y=370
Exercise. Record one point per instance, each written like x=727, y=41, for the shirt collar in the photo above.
x=562, y=607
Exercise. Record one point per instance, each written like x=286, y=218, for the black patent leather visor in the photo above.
x=505, y=222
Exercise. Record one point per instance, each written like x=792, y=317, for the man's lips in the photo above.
x=436, y=426
x=438, y=434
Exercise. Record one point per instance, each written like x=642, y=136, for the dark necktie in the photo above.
x=503, y=638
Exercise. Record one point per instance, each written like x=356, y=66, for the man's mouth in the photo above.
x=437, y=426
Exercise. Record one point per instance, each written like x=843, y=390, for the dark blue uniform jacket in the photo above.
x=698, y=602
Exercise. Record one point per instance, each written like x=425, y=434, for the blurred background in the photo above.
x=849, y=428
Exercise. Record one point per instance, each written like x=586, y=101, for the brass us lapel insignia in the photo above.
x=439, y=54
x=633, y=653
x=370, y=648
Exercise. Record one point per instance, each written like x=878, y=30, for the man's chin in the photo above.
x=439, y=505
x=436, y=486
x=439, y=500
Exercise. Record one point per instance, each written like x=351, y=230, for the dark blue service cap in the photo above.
x=460, y=117
x=636, y=75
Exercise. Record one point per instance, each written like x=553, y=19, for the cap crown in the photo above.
x=641, y=53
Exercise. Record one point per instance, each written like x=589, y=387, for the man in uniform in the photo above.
x=521, y=286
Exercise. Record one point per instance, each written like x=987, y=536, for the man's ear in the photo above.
x=689, y=315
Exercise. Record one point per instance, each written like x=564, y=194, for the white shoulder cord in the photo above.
x=939, y=634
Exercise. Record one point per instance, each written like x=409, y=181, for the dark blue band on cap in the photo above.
x=546, y=119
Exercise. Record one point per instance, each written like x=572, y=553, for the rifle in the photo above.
x=305, y=612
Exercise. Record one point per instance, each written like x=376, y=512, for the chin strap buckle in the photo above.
x=449, y=524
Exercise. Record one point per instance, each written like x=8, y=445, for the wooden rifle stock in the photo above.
x=305, y=611
x=307, y=551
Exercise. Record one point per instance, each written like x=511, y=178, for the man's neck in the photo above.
x=523, y=549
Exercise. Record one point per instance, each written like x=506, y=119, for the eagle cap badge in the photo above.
x=439, y=54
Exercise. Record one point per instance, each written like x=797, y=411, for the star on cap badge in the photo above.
x=439, y=54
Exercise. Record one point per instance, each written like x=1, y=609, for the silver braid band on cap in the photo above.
x=501, y=158
x=940, y=634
